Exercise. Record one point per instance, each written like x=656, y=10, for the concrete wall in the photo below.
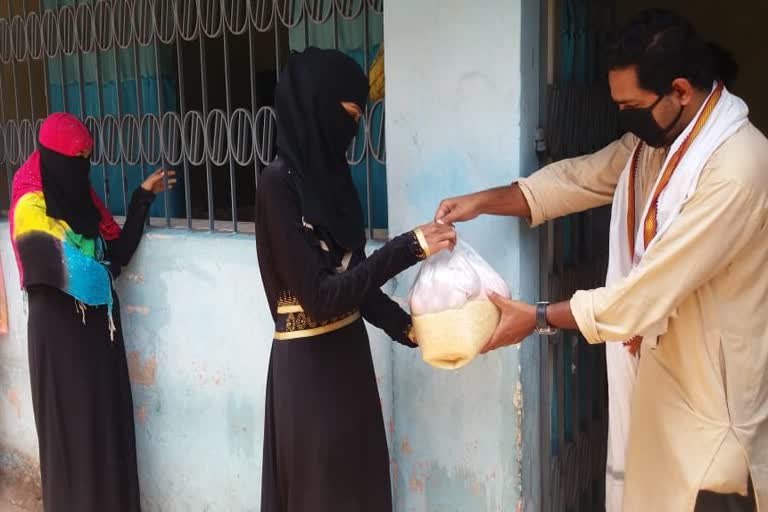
x=462, y=100
x=454, y=84
x=198, y=334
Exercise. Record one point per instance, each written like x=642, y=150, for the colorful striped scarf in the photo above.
x=48, y=252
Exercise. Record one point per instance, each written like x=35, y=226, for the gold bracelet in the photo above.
x=422, y=241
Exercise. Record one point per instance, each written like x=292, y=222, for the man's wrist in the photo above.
x=482, y=202
x=559, y=315
x=531, y=318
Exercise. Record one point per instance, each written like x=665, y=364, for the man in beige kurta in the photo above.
x=699, y=420
x=700, y=408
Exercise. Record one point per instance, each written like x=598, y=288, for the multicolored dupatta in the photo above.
x=48, y=252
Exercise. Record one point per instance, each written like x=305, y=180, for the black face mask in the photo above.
x=640, y=121
x=345, y=127
x=350, y=129
x=67, y=191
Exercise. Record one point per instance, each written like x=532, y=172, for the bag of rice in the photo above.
x=452, y=315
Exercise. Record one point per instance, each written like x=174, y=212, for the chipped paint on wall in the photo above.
x=141, y=415
x=13, y=399
x=136, y=310
x=134, y=277
x=405, y=447
x=517, y=401
x=141, y=372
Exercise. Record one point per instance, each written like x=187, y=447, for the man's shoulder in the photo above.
x=742, y=159
x=748, y=140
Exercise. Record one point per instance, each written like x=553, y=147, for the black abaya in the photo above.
x=81, y=392
x=325, y=447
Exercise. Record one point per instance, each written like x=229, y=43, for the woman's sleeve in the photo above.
x=121, y=250
x=300, y=265
x=381, y=311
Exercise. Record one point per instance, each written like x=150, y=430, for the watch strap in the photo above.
x=541, y=316
x=542, y=325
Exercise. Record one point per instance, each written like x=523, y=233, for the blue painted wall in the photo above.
x=455, y=75
x=198, y=334
x=459, y=118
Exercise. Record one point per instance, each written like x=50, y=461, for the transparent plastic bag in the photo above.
x=452, y=315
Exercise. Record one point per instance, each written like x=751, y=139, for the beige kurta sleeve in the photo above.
x=714, y=225
x=576, y=184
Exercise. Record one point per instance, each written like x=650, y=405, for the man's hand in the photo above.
x=458, y=209
x=518, y=320
x=633, y=344
x=507, y=200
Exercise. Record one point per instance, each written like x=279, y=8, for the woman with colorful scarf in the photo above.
x=69, y=249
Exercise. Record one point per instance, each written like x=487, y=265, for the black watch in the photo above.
x=542, y=325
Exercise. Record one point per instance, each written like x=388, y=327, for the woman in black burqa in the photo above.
x=325, y=448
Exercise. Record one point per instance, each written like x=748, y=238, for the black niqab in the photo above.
x=67, y=191
x=313, y=134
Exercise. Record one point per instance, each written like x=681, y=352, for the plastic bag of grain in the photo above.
x=452, y=315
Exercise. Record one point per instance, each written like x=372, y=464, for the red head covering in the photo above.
x=64, y=133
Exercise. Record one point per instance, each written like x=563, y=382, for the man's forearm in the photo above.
x=508, y=200
x=560, y=315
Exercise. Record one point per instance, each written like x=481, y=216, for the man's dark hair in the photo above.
x=665, y=46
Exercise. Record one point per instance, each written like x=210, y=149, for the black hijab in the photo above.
x=313, y=134
x=67, y=191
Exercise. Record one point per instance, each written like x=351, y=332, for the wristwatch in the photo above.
x=542, y=325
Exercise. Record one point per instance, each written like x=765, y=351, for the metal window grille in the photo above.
x=182, y=84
